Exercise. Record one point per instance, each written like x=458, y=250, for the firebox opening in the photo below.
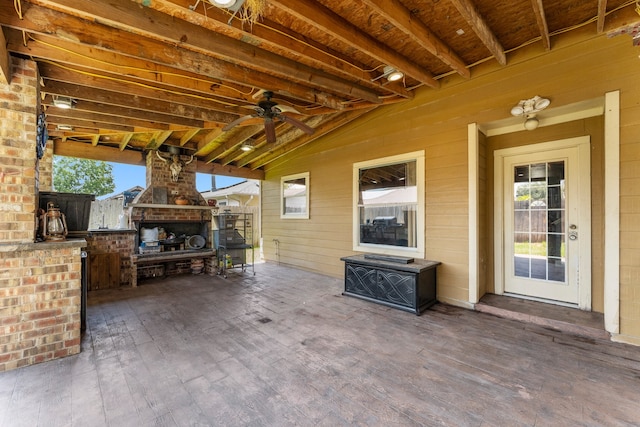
x=174, y=235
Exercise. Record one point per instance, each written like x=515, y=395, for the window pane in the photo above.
x=295, y=196
x=387, y=204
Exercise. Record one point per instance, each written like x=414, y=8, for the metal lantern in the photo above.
x=53, y=223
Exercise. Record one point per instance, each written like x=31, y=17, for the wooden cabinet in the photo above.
x=397, y=282
x=103, y=270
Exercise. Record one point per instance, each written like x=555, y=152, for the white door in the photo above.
x=546, y=245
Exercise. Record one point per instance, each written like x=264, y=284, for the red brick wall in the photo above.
x=39, y=304
x=158, y=175
x=39, y=282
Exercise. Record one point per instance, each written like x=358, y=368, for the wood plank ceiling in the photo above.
x=154, y=74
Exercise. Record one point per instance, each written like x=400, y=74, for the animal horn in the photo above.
x=160, y=157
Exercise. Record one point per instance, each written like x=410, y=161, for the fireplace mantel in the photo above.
x=159, y=206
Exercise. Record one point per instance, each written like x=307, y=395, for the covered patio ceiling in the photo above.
x=148, y=74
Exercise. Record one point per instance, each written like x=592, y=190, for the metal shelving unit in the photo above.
x=233, y=238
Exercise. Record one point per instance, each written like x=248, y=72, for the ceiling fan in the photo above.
x=271, y=111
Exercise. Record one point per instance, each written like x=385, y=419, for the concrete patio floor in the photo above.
x=285, y=348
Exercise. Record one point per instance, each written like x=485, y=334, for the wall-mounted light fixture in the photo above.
x=528, y=108
x=62, y=102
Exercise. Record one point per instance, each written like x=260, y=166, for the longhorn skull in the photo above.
x=176, y=165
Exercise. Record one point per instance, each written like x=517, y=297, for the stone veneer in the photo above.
x=39, y=282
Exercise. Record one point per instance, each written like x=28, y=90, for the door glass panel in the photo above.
x=539, y=217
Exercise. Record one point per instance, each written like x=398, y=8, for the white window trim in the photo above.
x=418, y=251
x=283, y=179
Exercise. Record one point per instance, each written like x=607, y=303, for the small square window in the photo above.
x=294, y=196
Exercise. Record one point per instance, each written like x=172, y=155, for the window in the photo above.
x=389, y=205
x=295, y=196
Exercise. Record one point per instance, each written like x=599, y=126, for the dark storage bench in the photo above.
x=398, y=282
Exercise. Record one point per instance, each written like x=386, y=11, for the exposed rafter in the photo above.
x=314, y=14
x=154, y=73
x=538, y=11
x=400, y=16
x=468, y=10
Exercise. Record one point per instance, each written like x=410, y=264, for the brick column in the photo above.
x=18, y=113
x=39, y=282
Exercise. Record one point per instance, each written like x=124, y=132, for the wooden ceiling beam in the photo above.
x=188, y=135
x=109, y=65
x=155, y=54
x=602, y=14
x=231, y=139
x=57, y=115
x=274, y=37
x=180, y=114
x=129, y=16
x=541, y=20
x=5, y=61
x=229, y=170
x=157, y=139
x=623, y=18
x=81, y=150
x=125, y=141
x=209, y=142
x=396, y=13
x=118, y=114
x=469, y=12
x=86, y=123
x=316, y=15
x=108, y=83
x=332, y=122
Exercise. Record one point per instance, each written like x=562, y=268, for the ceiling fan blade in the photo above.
x=270, y=130
x=237, y=122
x=297, y=123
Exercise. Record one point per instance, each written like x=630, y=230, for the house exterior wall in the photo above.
x=39, y=282
x=436, y=121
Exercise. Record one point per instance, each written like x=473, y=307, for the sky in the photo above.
x=127, y=176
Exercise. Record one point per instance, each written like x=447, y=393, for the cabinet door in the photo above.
x=397, y=287
x=361, y=280
x=103, y=271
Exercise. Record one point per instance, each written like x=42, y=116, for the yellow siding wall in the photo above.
x=436, y=121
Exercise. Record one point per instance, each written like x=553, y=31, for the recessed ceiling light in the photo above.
x=62, y=101
x=247, y=145
x=223, y=3
x=392, y=74
x=459, y=31
x=64, y=127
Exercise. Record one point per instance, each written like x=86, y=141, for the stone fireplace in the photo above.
x=171, y=206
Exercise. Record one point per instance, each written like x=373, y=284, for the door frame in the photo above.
x=583, y=145
x=607, y=106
